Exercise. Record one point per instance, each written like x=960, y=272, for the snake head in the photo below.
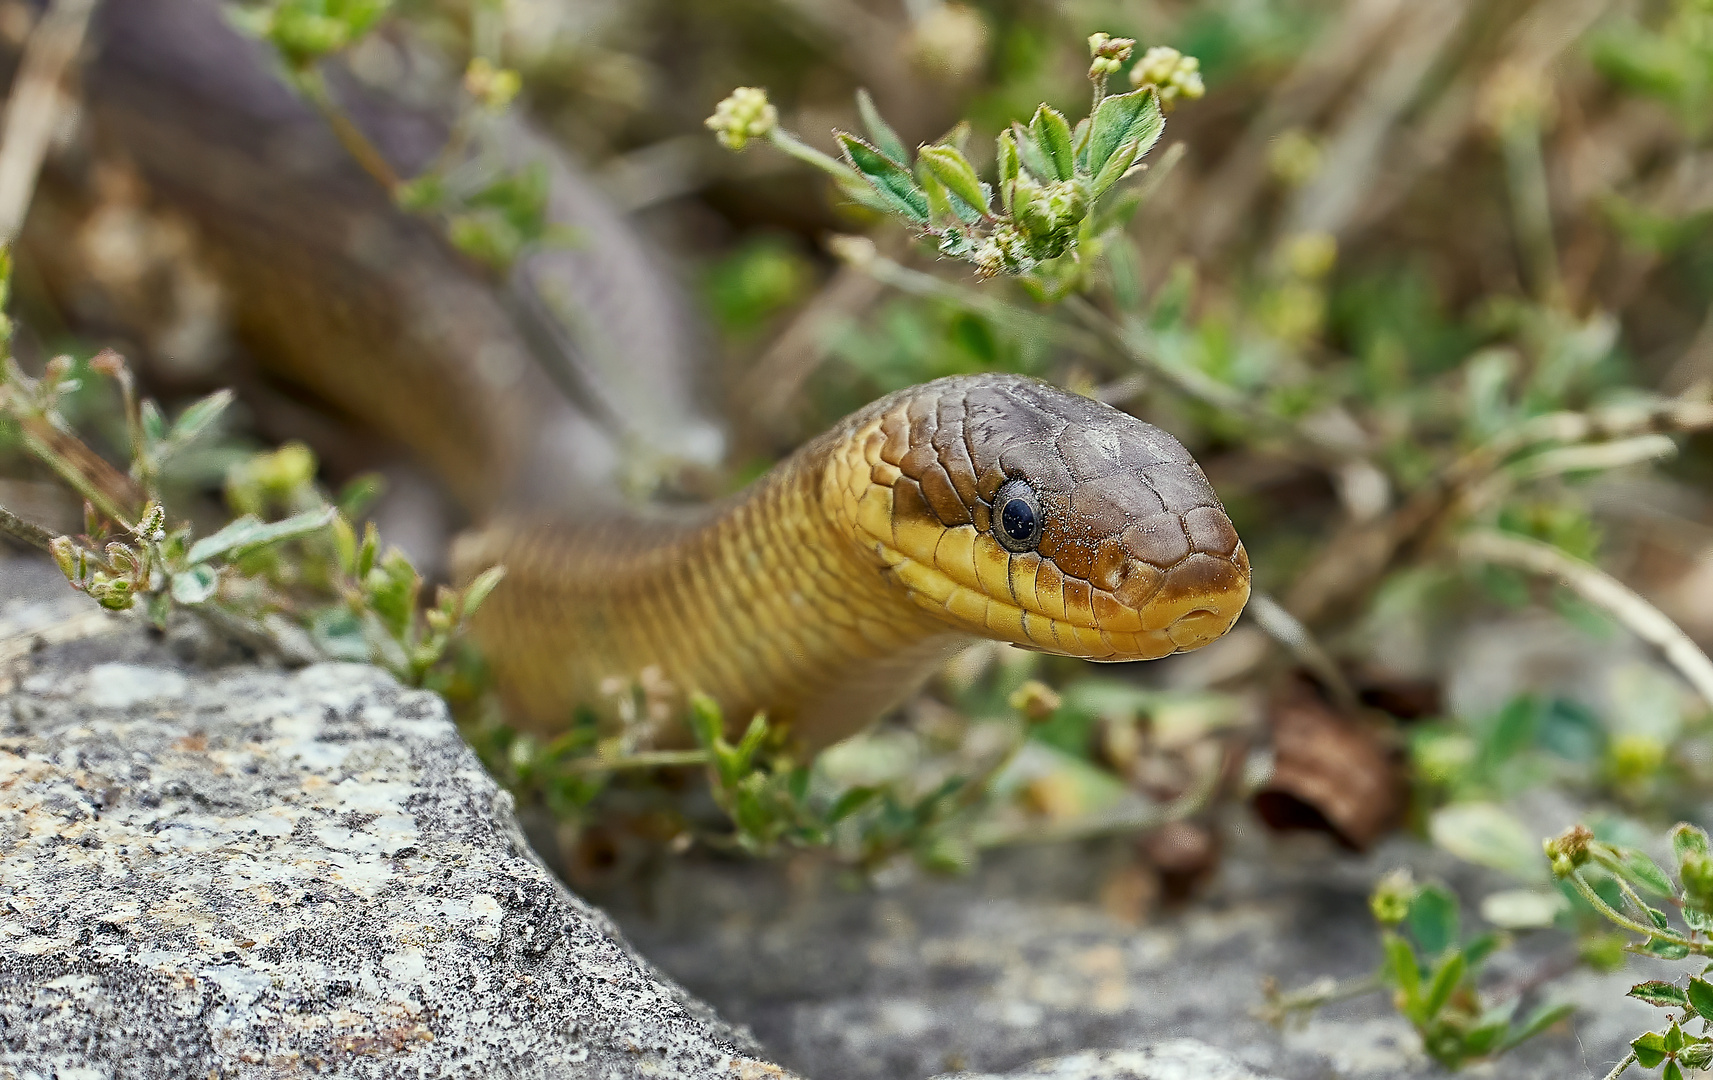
x=1018, y=511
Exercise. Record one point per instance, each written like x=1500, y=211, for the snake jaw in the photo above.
x=1138, y=560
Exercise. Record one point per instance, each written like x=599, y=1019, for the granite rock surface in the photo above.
x=251, y=873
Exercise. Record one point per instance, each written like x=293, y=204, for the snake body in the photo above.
x=828, y=590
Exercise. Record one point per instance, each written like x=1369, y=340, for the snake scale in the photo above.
x=985, y=506
x=975, y=506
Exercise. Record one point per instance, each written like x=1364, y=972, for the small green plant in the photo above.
x=1585, y=864
x=1050, y=199
x=303, y=584
x=491, y=213
x=1432, y=971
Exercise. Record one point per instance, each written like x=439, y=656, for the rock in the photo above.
x=1179, y=1059
x=1037, y=955
x=263, y=874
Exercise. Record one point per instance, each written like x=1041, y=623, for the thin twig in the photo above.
x=1604, y=592
x=1289, y=631
x=26, y=531
x=106, y=488
x=1618, y=1069
x=350, y=136
x=34, y=107
x=652, y=759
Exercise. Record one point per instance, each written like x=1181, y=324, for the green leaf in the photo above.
x=194, y=584
x=952, y=169
x=478, y=590
x=1052, y=134
x=154, y=425
x=1447, y=974
x=1539, y=1020
x=1662, y=995
x=248, y=533
x=1665, y=950
x=1120, y=119
x=1698, y=1056
x=1634, y=867
x=879, y=131
x=391, y=589
x=1650, y=1049
x=1005, y=155
x=706, y=721
x=941, y=212
x=850, y=802
x=1486, y=834
x=892, y=181
x=1039, y=165
x=1433, y=919
x=1700, y=995
x=1686, y=839
x=1673, y=1071
x=1401, y=964
x=1699, y=919
x=1673, y=1038
x=338, y=633
x=1114, y=169
x=198, y=417
x=1523, y=909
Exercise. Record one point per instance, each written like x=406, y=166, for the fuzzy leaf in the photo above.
x=1649, y=1048
x=1120, y=119
x=1686, y=839
x=478, y=590
x=1446, y=977
x=1634, y=867
x=1698, y=919
x=1539, y=1020
x=1661, y=995
x=1038, y=164
x=1052, y=134
x=1433, y=919
x=194, y=584
x=248, y=533
x=1698, y=1056
x=1005, y=157
x=1665, y=950
x=1114, y=168
x=1700, y=996
x=1401, y=964
x=952, y=169
x=878, y=129
x=198, y=417
x=896, y=187
x=941, y=212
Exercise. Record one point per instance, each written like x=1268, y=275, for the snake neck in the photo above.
x=767, y=602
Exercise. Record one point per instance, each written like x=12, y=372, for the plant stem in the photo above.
x=1604, y=592
x=26, y=531
x=350, y=136
x=78, y=466
x=1580, y=884
x=1618, y=1069
x=652, y=759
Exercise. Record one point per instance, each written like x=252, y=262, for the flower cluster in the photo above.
x=745, y=114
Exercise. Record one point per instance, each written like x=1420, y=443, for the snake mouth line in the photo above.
x=1158, y=629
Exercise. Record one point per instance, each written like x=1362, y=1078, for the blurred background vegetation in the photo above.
x=1426, y=285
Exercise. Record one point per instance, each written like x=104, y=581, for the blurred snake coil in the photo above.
x=975, y=506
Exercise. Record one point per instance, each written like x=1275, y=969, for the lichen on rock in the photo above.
x=262, y=874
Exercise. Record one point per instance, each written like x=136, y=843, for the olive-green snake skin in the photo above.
x=976, y=506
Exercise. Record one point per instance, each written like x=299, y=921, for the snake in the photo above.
x=975, y=507
x=982, y=506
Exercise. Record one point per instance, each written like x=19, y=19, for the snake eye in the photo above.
x=1017, y=525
